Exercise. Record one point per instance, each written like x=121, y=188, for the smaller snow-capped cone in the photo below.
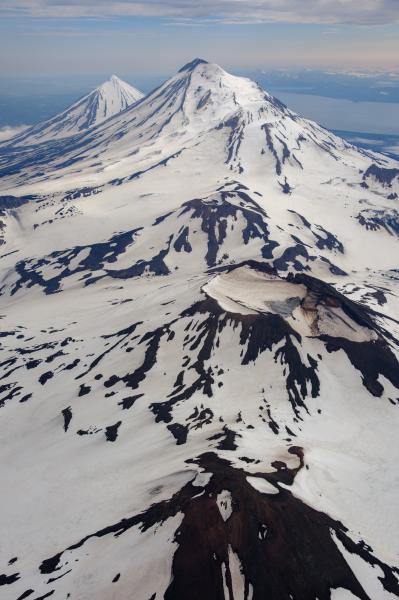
x=111, y=98
x=107, y=100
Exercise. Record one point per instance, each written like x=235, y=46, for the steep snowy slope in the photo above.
x=199, y=302
x=110, y=98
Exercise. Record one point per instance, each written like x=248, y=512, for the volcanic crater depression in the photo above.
x=309, y=312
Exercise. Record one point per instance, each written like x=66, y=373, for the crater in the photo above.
x=311, y=312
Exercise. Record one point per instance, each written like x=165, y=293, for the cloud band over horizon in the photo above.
x=229, y=12
x=156, y=36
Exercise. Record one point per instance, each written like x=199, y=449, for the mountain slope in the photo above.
x=110, y=98
x=199, y=301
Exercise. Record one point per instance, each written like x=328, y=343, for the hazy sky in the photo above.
x=97, y=36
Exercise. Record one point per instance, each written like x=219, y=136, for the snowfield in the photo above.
x=199, y=383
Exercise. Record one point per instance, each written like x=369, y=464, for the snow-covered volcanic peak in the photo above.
x=110, y=98
x=200, y=111
x=199, y=301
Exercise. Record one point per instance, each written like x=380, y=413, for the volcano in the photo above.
x=199, y=392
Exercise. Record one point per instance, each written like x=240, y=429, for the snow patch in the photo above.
x=225, y=505
x=262, y=485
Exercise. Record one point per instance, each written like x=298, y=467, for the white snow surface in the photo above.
x=196, y=325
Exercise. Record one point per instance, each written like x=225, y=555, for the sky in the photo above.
x=79, y=37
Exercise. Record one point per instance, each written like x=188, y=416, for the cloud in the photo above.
x=8, y=131
x=329, y=12
x=363, y=140
x=392, y=149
